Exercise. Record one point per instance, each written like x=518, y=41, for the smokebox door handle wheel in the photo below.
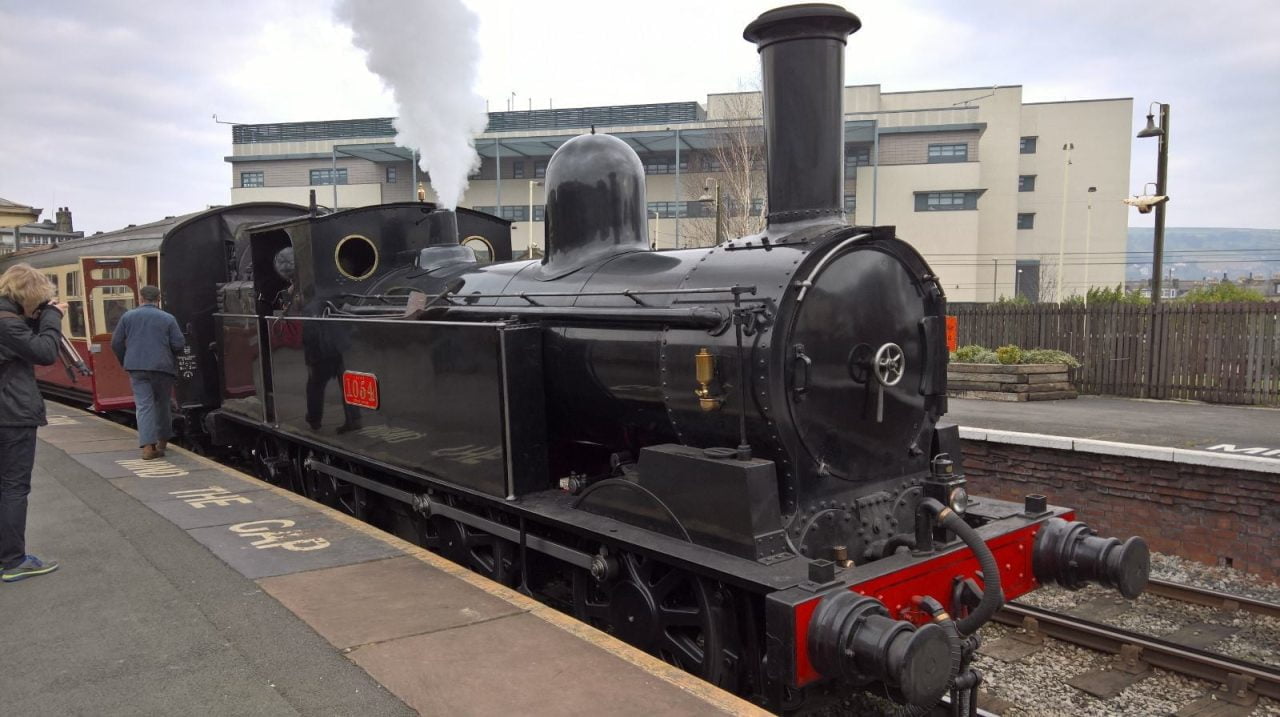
x=888, y=365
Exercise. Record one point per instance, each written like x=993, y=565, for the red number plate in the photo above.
x=360, y=389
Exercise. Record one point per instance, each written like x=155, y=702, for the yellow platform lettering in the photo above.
x=275, y=533
x=213, y=495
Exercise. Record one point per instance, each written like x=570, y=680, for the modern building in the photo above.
x=991, y=189
x=38, y=234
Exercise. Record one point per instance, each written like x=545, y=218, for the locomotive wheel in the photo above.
x=488, y=555
x=273, y=462
x=664, y=611
x=323, y=488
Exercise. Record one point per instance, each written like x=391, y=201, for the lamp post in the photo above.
x=1162, y=189
x=1088, y=231
x=532, y=183
x=657, y=229
x=706, y=197
x=1062, y=240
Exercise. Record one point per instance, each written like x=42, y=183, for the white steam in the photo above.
x=428, y=53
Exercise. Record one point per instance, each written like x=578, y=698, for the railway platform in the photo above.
x=1232, y=430
x=189, y=587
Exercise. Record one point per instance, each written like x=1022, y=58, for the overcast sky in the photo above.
x=107, y=106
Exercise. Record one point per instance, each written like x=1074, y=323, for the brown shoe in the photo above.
x=160, y=446
x=149, y=452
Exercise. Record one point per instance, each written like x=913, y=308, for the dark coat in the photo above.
x=24, y=344
x=146, y=339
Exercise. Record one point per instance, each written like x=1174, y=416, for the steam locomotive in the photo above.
x=733, y=457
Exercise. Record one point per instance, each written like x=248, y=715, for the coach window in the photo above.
x=75, y=306
x=111, y=301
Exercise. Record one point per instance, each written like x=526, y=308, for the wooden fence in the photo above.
x=1222, y=353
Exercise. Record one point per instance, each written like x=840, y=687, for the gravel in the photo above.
x=1181, y=570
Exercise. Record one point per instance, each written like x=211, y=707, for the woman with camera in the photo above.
x=30, y=330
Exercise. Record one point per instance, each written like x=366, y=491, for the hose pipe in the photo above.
x=992, y=594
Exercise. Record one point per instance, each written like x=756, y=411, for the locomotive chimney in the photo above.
x=802, y=59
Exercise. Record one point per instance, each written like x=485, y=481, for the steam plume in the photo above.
x=428, y=53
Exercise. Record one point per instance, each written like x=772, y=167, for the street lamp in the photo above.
x=532, y=246
x=657, y=229
x=706, y=197
x=1162, y=189
x=1088, y=231
x=1062, y=240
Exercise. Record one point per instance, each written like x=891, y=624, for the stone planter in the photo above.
x=1020, y=382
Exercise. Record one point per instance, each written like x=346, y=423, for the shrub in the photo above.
x=1220, y=293
x=967, y=354
x=1050, y=356
x=1009, y=354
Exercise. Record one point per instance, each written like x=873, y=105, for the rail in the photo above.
x=1181, y=659
x=1211, y=598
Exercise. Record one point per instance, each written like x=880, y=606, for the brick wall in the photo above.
x=1208, y=514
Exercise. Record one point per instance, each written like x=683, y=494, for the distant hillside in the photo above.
x=1195, y=253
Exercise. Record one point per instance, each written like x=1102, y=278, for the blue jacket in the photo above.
x=146, y=339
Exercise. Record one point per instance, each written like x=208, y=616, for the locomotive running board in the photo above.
x=423, y=504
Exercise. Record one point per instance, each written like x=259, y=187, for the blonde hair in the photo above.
x=26, y=286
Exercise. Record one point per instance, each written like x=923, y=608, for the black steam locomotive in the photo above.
x=733, y=457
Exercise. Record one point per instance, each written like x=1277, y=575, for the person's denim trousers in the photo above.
x=152, y=393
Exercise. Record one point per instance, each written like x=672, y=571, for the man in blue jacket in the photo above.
x=146, y=341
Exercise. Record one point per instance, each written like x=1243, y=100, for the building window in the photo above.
x=1026, y=220
x=1026, y=182
x=517, y=169
x=539, y=212
x=757, y=207
x=664, y=165
x=251, y=179
x=710, y=164
x=391, y=175
x=1027, y=145
x=948, y=153
x=850, y=203
x=855, y=157
x=539, y=168
x=326, y=176
x=671, y=210
x=946, y=201
x=516, y=213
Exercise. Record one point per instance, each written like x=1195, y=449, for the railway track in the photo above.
x=1211, y=598
x=1237, y=676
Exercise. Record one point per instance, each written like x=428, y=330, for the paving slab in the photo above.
x=102, y=445
x=160, y=488
x=119, y=464
x=140, y=620
x=283, y=545
x=219, y=503
x=398, y=597
x=82, y=432
x=545, y=671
